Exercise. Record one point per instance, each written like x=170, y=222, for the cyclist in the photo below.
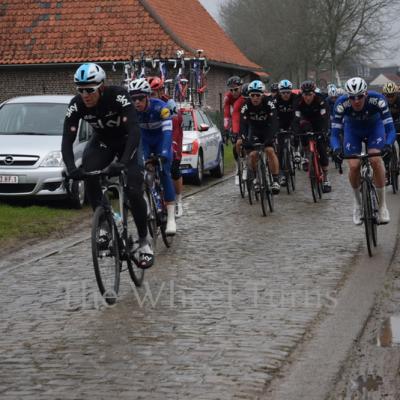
x=157, y=86
x=234, y=83
x=363, y=115
x=156, y=127
x=311, y=113
x=285, y=102
x=332, y=97
x=259, y=124
x=235, y=137
x=109, y=110
x=391, y=92
x=274, y=90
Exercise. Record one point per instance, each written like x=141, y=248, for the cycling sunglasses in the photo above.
x=139, y=97
x=88, y=90
x=358, y=97
x=255, y=94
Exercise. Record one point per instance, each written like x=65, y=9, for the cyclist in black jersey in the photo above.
x=312, y=114
x=110, y=112
x=258, y=123
x=391, y=92
x=284, y=103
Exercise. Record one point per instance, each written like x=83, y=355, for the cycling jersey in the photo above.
x=395, y=108
x=113, y=119
x=229, y=102
x=259, y=123
x=285, y=111
x=236, y=115
x=156, y=127
x=315, y=115
x=373, y=122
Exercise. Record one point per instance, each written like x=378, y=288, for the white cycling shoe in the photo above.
x=384, y=217
x=357, y=214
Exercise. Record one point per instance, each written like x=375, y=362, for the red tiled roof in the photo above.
x=65, y=31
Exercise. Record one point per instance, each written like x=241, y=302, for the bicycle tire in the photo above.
x=152, y=225
x=285, y=168
x=313, y=179
x=367, y=214
x=166, y=238
x=136, y=274
x=394, y=171
x=292, y=170
x=268, y=189
x=102, y=219
x=375, y=210
x=242, y=183
x=263, y=185
x=249, y=186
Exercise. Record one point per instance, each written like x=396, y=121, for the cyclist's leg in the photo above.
x=96, y=156
x=324, y=161
x=178, y=185
x=352, y=144
x=273, y=162
x=376, y=141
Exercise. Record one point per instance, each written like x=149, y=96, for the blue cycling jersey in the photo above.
x=156, y=127
x=372, y=121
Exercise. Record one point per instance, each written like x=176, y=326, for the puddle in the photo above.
x=389, y=334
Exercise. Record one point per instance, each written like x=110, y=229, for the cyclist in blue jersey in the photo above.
x=156, y=127
x=363, y=115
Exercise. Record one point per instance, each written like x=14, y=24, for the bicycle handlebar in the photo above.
x=358, y=157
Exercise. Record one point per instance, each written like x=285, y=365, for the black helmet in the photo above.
x=234, y=81
x=245, y=90
x=308, y=86
x=274, y=87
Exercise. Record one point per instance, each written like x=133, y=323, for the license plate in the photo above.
x=8, y=179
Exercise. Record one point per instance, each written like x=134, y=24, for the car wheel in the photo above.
x=198, y=178
x=77, y=196
x=218, y=172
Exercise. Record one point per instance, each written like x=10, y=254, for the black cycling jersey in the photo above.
x=285, y=111
x=113, y=120
x=259, y=121
x=316, y=115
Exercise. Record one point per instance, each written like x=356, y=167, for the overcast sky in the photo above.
x=212, y=7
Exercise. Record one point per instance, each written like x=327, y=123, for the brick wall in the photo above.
x=59, y=80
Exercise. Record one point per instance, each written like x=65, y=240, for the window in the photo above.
x=188, y=124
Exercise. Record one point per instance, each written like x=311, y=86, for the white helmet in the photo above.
x=139, y=86
x=89, y=73
x=332, y=91
x=356, y=86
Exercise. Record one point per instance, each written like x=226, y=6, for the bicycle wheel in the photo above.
x=136, y=274
x=105, y=253
x=286, y=168
x=313, y=178
x=292, y=170
x=263, y=185
x=242, y=182
x=166, y=238
x=268, y=188
x=394, y=171
x=367, y=215
x=375, y=210
x=152, y=225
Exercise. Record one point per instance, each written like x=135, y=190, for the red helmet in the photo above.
x=155, y=82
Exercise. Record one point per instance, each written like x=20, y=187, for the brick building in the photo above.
x=43, y=42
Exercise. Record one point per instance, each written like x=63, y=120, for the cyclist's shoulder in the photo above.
x=159, y=108
x=376, y=100
x=116, y=95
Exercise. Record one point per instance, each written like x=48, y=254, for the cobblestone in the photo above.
x=218, y=315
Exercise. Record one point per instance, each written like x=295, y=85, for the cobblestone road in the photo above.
x=219, y=314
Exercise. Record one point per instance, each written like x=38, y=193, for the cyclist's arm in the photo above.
x=337, y=125
x=130, y=123
x=387, y=121
x=273, y=124
x=244, y=122
x=236, y=115
x=166, y=127
x=227, y=112
x=70, y=130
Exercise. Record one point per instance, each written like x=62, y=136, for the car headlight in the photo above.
x=53, y=159
x=187, y=148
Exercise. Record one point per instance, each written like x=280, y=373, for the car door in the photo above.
x=212, y=138
x=205, y=139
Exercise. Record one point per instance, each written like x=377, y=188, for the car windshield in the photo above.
x=188, y=124
x=32, y=118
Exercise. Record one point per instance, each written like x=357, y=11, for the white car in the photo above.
x=31, y=164
x=203, y=147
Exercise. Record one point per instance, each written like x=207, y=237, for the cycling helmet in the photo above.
x=332, y=90
x=389, y=88
x=274, y=87
x=340, y=91
x=256, y=86
x=355, y=86
x=245, y=90
x=234, y=81
x=89, y=73
x=285, y=85
x=139, y=86
x=156, y=83
x=308, y=86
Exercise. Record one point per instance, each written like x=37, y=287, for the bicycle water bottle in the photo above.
x=158, y=200
x=118, y=221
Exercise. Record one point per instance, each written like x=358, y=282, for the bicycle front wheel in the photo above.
x=394, y=171
x=313, y=178
x=261, y=178
x=242, y=182
x=367, y=216
x=105, y=253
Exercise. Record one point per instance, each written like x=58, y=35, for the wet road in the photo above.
x=219, y=313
